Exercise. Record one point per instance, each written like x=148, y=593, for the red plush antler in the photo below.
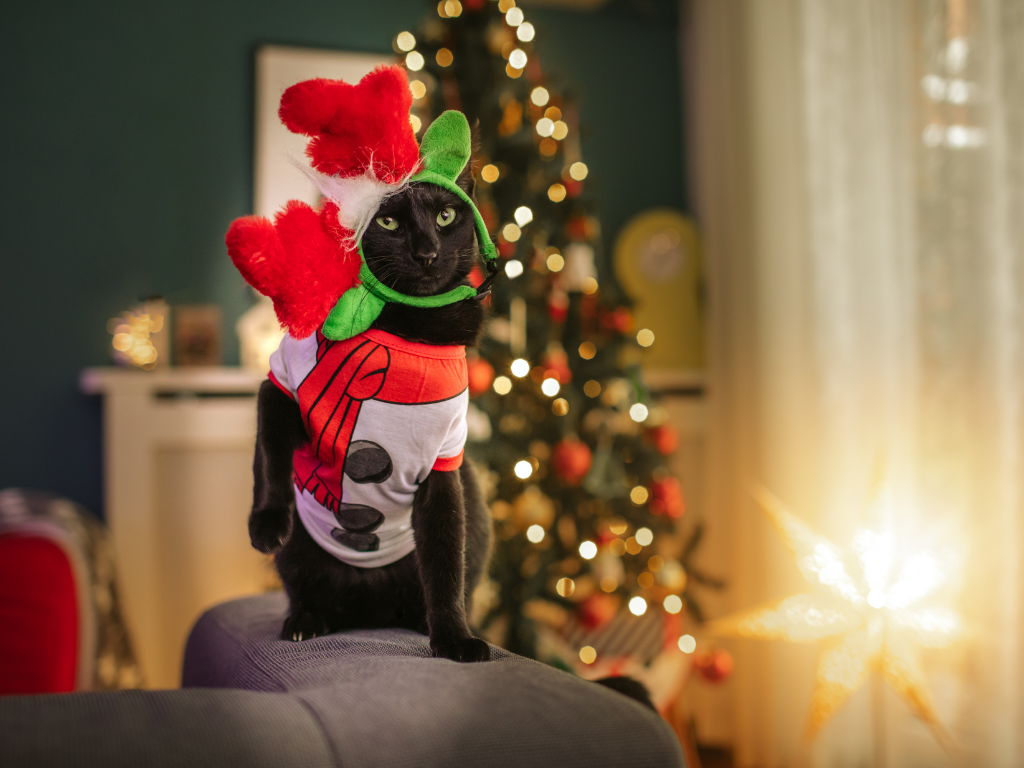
x=349, y=124
x=300, y=261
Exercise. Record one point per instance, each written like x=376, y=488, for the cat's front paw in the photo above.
x=270, y=528
x=461, y=649
x=303, y=625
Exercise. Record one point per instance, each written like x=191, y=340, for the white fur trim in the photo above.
x=357, y=197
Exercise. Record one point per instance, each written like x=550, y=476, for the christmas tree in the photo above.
x=567, y=440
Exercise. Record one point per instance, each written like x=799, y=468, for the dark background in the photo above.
x=128, y=135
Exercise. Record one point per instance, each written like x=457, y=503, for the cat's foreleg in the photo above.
x=439, y=525
x=279, y=432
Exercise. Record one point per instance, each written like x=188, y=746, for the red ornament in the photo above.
x=556, y=365
x=481, y=375
x=619, y=319
x=714, y=666
x=597, y=610
x=558, y=305
x=570, y=460
x=664, y=438
x=667, y=498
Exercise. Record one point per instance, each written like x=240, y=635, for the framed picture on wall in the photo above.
x=276, y=179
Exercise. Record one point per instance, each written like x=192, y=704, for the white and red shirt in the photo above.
x=381, y=413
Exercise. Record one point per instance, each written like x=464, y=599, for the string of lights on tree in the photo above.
x=571, y=447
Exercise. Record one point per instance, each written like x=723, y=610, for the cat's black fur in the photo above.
x=430, y=589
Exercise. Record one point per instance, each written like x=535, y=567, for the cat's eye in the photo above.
x=387, y=222
x=446, y=217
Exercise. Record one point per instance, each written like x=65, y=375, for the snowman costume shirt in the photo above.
x=381, y=413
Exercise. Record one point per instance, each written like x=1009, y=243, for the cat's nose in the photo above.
x=426, y=259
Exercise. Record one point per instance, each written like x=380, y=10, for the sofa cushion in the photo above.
x=159, y=729
x=381, y=699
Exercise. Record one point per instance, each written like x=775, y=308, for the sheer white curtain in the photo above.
x=860, y=179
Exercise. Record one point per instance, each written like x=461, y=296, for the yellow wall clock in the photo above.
x=658, y=262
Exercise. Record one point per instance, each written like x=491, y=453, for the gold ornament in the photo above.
x=878, y=615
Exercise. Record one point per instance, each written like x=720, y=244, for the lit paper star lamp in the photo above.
x=877, y=616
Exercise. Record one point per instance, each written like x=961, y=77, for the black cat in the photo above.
x=421, y=242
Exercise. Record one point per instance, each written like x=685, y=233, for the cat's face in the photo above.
x=422, y=240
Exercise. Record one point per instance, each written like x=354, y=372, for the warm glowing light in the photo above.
x=655, y=563
x=618, y=526
x=639, y=494
x=608, y=584
x=548, y=147
x=416, y=123
x=517, y=58
x=550, y=387
x=638, y=412
x=588, y=655
x=645, y=536
x=637, y=606
x=555, y=262
x=513, y=268
x=644, y=580
x=877, y=614
x=514, y=17
x=414, y=61
x=588, y=285
x=592, y=388
x=560, y=407
x=505, y=5
x=525, y=32
x=672, y=604
x=645, y=337
x=559, y=130
x=578, y=171
x=503, y=385
x=513, y=72
x=540, y=96
x=553, y=113
x=556, y=193
x=633, y=546
x=544, y=126
x=419, y=90
x=523, y=215
x=490, y=173
x=588, y=550
x=122, y=342
x=687, y=644
x=511, y=232
x=587, y=350
x=535, y=533
x=520, y=367
x=565, y=587
x=617, y=547
x=453, y=8
x=444, y=57
x=405, y=42
x=523, y=469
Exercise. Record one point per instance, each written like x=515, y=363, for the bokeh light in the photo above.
x=540, y=96
x=405, y=41
x=645, y=337
x=525, y=32
x=588, y=655
x=637, y=606
x=511, y=232
x=587, y=350
x=687, y=644
x=588, y=550
x=588, y=285
x=490, y=173
x=592, y=388
x=520, y=367
x=638, y=412
x=444, y=57
x=638, y=495
x=644, y=536
x=565, y=587
x=523, y=215
x=672, y=604
x=518, y=57
x=559, y=130
x=535, y=533
x=556, y=193
x=560, y=407
x=416, y=123
x=578, y=171
x=555, y=262
x=513, y=268
x=545, y=126
x=503, y=385
x=523, y=469
x=414, y=61
x=418, y=88
x=514, y=17
x=550, y=387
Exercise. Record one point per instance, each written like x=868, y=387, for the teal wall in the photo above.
x=127, y=140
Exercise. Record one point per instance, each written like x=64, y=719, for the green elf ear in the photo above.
x=446, y=145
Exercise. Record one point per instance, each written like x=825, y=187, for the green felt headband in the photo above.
x=444, y=151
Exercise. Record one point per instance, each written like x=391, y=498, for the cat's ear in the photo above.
x=467, y=178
